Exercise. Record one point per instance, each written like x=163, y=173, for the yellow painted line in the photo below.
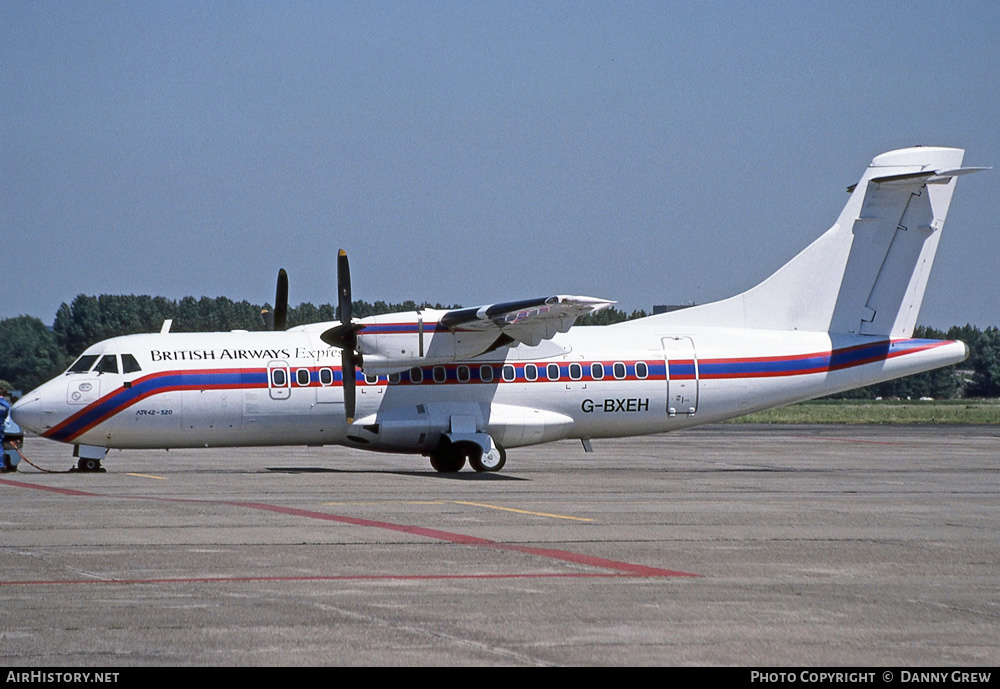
x=511, y=509
x=160, y=478
x=389, y=502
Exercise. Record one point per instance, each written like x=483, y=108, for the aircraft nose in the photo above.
x=27, y=413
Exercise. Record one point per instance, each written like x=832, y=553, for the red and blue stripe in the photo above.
x=680, y=369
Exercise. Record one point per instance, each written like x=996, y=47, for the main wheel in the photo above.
x=447, y=459
x=493, y=460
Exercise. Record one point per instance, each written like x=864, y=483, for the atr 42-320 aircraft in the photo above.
x=468, y=384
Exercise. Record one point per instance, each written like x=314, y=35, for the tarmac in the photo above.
x=745, y=545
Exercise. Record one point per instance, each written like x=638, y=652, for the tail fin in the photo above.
x=865, y=275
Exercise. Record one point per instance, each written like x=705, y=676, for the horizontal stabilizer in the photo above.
x=928, y=177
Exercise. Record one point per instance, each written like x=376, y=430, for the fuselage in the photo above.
x=278, y=388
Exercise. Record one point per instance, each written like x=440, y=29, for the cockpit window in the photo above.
x=108, y=364
x=83, y=364
x=129, y=364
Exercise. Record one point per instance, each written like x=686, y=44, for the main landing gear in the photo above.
x=450, y=457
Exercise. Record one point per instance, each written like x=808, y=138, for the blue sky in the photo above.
x=473, y=152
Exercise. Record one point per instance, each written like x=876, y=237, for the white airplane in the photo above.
x=468, y=384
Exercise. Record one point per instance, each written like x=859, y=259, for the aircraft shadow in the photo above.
x=458, y=476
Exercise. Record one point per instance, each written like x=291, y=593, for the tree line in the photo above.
x=31, y=352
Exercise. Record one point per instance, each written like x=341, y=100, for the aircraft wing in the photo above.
x=528, y=321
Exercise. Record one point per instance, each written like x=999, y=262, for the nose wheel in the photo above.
x=89, y=464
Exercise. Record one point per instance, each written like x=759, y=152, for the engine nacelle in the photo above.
x=396, y=342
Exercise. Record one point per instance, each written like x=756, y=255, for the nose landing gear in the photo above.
x=90, y=457
x=87, y=464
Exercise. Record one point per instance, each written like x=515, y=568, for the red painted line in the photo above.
x=591, y=561
x=462, y=539
x=356, y=521
x=435, y=534
x=345, y=577
x=62, y=491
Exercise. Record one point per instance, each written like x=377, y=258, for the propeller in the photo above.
x=345, y=336
x=277, y=319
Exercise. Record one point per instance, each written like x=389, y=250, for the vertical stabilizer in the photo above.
x=867, y=274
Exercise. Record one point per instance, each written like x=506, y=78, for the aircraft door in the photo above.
x=278, y=384
x=682, y=375
x=327, y=393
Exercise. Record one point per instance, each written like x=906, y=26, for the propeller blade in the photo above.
x=348, y=368
x=345, y=336
x=343, y=287
x=275, y=319
x=281, y=301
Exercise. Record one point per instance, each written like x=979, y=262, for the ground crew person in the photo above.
x=8, y=465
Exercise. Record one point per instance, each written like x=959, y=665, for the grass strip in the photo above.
x=881, y=411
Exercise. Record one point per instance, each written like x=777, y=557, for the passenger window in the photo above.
x=278, y=378
x=463, y=374
x=440, y=375
x=530, y=372
x=619, y=369
x=325, y=376
x=108, y=364
x=552, y=371
x=597, y=371
x=641, y=370
x=416, y=375
x=509, y=374
x=394, y=378
x=575, y=371
x=302, y=377
x=83, y=364
x=129, y=364
x=486, y=374
x=371, y=380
